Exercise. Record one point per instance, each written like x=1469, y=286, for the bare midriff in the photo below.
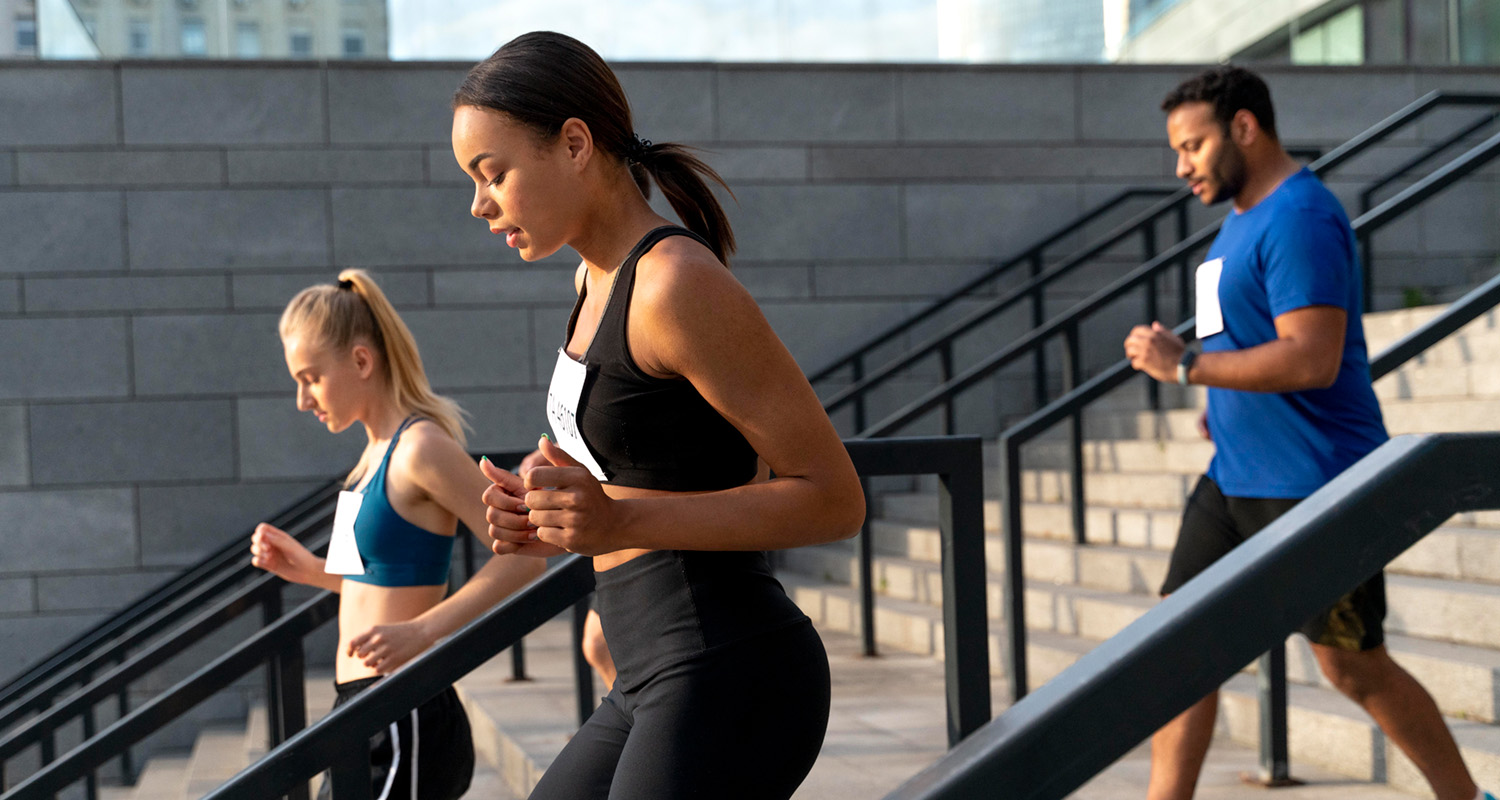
x=363, y=606
x=608, y=561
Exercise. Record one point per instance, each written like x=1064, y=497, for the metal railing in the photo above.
x=957, y=461
x=64, y=690
x=942, y=344
x=1055, y=739
x=1032, y=256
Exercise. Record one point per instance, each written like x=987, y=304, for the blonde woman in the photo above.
x=355, y=361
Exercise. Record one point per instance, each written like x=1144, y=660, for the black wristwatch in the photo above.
x=1185, y=364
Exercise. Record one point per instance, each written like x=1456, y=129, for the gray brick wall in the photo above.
x=156, y=217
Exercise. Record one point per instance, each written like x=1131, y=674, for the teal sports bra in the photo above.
x=396, y=552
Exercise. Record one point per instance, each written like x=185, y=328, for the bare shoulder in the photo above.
x=680, y=275
x=427, y=451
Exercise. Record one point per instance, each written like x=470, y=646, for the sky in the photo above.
x=692, y=30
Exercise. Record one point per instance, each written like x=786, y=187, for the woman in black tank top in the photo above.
x=672, y=403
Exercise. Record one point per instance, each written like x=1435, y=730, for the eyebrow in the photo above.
x=474, y=162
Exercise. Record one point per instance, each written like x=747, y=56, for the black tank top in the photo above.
x=649, y=432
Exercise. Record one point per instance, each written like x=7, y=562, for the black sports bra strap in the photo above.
x=627, y=276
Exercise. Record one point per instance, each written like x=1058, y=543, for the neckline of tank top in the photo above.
x=386, y=456
x=633, y=256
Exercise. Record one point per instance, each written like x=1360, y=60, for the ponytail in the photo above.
x=683, y=179
x=542, y=79
x=356, y=310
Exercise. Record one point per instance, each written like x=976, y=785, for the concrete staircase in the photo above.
x=1444, y=593
x=887, y=718
x=220, y=751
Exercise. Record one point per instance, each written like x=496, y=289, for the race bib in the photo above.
x=562, y=410
x=1210, y=317
x=343, y=550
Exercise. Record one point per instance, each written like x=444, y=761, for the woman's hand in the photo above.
x=385, y=648
x=507, y=515
x=277, y=552
x=568, y=506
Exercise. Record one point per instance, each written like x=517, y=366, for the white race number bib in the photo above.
x=562, y=410
x=1210, y=317
x=343, y=550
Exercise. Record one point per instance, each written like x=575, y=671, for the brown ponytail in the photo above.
x=542, y=79
x=356, y=310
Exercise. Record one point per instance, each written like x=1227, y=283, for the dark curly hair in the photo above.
x=1228, y=89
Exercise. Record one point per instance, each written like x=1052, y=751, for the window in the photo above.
x=140, y=37
x=194, y=38
x=354, y=43
x=25, y=35
x=300, y=43
x=1338, y=40
x=247, y=40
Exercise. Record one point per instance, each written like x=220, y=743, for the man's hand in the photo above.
x=1155, y=350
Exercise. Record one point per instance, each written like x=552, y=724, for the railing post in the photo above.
x=965, y=623
x=583, y=674
x=857, y=368
x=1072, y=376
x=1014, y=596
x=91, y=780
x=945, y=364
x=867, y=576
x=1153, y=388
x=270, y=611
x=518, y=661
x=122, y=704
x=1365, y=248
x=1038, y=318
x=1275, y=762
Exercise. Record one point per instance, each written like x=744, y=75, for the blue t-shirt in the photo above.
x=1292, y=250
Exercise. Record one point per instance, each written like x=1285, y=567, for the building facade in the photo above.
x=208, y=29
x=1310, y=32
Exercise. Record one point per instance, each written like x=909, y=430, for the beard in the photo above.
x=1227, y=174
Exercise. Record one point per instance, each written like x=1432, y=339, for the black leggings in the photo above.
x=746, y=721
x=722, y=689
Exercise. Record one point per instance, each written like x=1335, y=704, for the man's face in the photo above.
x=1207, y=158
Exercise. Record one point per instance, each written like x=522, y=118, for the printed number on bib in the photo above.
x=562, y=411
x=343, y=550
x=1210, y=317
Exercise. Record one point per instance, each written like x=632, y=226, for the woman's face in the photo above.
x=330, y=384
x=523, y=186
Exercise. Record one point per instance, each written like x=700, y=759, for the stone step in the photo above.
x=1423, y=379
x=1475, y=343
x=1455, y=550
x=218, y=754
x=1326, y=729
x=163, y=777
x=886, y=721
x=1461, y=675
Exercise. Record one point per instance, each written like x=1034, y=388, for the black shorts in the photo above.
x=426, y=755
x=1213, y=524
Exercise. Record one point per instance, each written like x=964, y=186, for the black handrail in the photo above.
x=153, y=601
x=1032, y=289
x=323, y=745
x=941, y=343
x=1031, y=255
x=1055, y=739
x=283, y=635
x=193, y=597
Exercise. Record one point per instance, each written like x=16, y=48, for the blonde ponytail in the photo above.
x=356, y=310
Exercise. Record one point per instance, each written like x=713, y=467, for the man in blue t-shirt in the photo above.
x=1289, y=404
